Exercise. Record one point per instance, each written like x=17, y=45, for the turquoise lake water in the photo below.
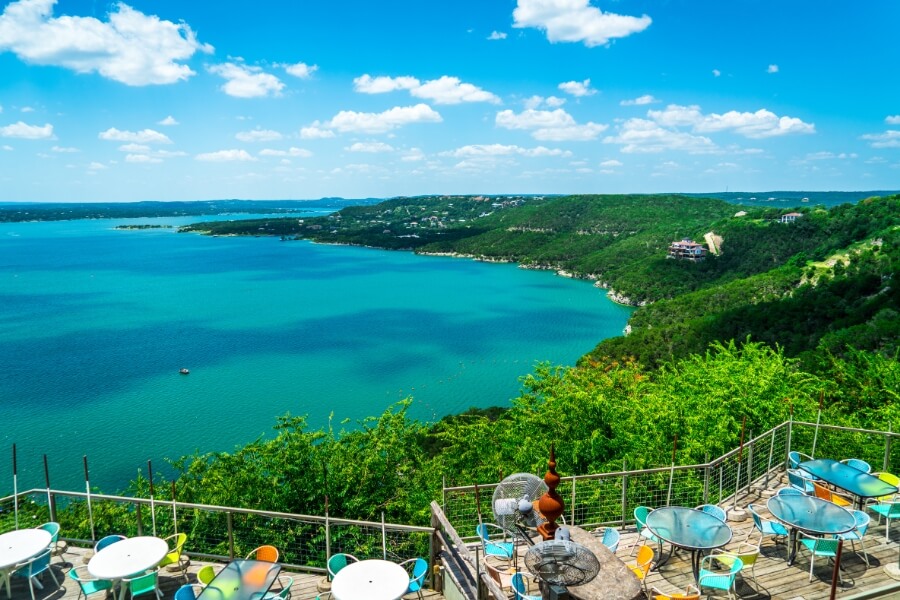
x=95, y=324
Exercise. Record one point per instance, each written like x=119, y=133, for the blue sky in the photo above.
x=169, y=100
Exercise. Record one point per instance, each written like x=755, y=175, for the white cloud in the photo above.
x=348, y=120
x=549, y=102
x=611, y=163
x=315, y=132
x=131, y=47
x=372, y=147
x=716, y=73
x=830, y=156
x=225, y=156
x=413, y=155
x=258, y=135
x=298, y=152
x=27, y=132
x=477, y=150
x=244, y=81
x=892, y=120
x=146, y=136
x=168, y=121
x=26, y=109
x=497, y=35
x=301, y=70
x=64, y=150
x=138, y=148
x=445, y=90
x=772, y=69
x=888, y=139
x=552, y=126
x=577, y=88
x=759, y=124
x=640, y=101
x=576, y=21
x=96, y=166
x=641, y=135
x=6, y=147
x=142, y=159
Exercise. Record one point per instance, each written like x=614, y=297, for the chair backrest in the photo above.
x=857, y=463
x=827, y=545
x=821, y=491
x=206, y=574
x=88, y=584
x=794, y=459
x=52, y=528
x=757, y=520
x=287, y=584
x=640, y=516
x=494, y=573
x=799, y=480
x=106, y=541
x=417, y=576
x=789, y=491
x=338, y=562
x=862, y=520
x=185, y=592
x=644, y=560
x=611, y=538
x=482, y=530
x=890, y=479
x=266, y=553
x=736, y=567
x=518, y=586
x=143, y=583
x=38, y=564
x=712, y=509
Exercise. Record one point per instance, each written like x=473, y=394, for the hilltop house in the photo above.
x=687, y=249
x=790, y=217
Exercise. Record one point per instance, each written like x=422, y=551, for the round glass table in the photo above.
x=811, y=515
x=688, y=528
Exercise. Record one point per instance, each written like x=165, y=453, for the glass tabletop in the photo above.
x=241, y=580
x=688, y=528
x=811, y=514
x=858, y=483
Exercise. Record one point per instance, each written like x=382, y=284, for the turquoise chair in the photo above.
x=339, y=561
x=520, y=588
x=502, y=550
x=286, y=582
x=712, y=509
x=789, y=491
x=862, y=525
x=88, y=585
x=34, y=568
x=188, y=591
x=856, y=463
x=52, y=528
x=640, y=521
x=106, y=541
x=819, y=546
x=795, y=458
x=144, y=584
x=719, y=580
x=888, y=510
x=801, y=481
x=766, y=527
x=611, y=539
x=416, y=574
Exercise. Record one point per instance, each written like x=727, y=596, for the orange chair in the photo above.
x=266, y=553
x=643, y=562
x=825, y=494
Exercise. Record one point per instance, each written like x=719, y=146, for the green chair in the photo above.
x=888, y=510
x=417, y=569
x=176, y=544
x=52, y=528
x=88, y=585
x=324, y=596
x=339, y=561
x=34, y=568
x=144, y=584
x=286, y=582
x=640, y=521
x=206, y=574
x=108, y=540
x=718, y=580
x=820, y=546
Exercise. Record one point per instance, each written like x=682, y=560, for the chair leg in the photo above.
x=865, y=555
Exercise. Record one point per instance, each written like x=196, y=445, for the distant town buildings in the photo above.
x=687, y=249
x=790, y=217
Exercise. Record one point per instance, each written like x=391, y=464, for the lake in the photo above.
x=95, y=324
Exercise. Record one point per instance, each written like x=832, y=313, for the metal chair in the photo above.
x=857, y=463
x=888, y=510
x=286, y=582
x=862, y=525
x=338, y=561
x=174, y=557
x=789, y=491
x=747, y=552
x=611, y=538
x=765, y=526
x=188, y=591
x=206, y=574
x=890, y=479
x=800, y=480
x=642, y=565
x=714, y=510
x=107, y=540
x=503, y=550
x=88, y=585
x=520, y=588
x=795, y=458
x=825, y=494
x=52, y=528
x=819, y=546
x=417, y=569
x=34, y=568
x=640, y=521
x=266, y=553
x=144, y=584
x=718, y=580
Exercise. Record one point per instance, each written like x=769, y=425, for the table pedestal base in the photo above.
x=893, y=571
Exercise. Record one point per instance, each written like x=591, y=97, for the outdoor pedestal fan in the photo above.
x=561, y=563
x=513, y=503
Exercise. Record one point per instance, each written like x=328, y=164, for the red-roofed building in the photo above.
x=687, y=249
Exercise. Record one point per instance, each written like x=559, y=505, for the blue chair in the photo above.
x=789, y=491
x=819, y=546
x=52, y=528
x=520, y=588
x=338, y=562
x=714, y=510
x=188, y=591
x=766, y=527
x=503, y=550
x=611, y=539
x=416, y=574
x=718, y=580
x=640, y=521
x=106, y=541
x=858, y=464
x=800, y=481
x=888, y=510
x=862, y=525
x=34, y=568
x=88, y=585
x=795, y=458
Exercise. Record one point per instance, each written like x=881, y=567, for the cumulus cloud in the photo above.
x=639, y=101
x=315, y=132
x=63, y=150
x=545, y=125
x=772, y=69
x=578, y=88
x=146, y=136
x=611, y=163
x=497, y=35
x=26, y=109
x=225, y=156
x=258, y=135
x=371, y=147
x=142, y=159
x=245, y=81
x=97, y=166
x=759, y=124
x=296, y=152
x=444, y=90
x=830, y=156
x=301, y=70
x=25, y=131
x=643, y=136
x=130, y=47
x=476, y=150
x=892, y=120
x=888, y=139
x=352, y=121
x=413, y=155
x=168, y=121
x=539, y=101
x=716, y=73
x=576, y=21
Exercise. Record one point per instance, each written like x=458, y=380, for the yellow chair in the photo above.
x=266, y=553
x=174, y=557
x=890, y=479
x=747, y=552
x=825, y=494
x=643, y=562
x=206, y=574
x=691, y=593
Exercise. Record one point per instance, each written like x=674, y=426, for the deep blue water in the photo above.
x=95, y=324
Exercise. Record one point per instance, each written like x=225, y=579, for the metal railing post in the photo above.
x=787, y=443
x=572, y=512
x=750, y=462
x=706, y=480
x=140, y=520
x=886, y=465
x=721, y=482
x=624, y=495
x=229, y=519
x=769, y=463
